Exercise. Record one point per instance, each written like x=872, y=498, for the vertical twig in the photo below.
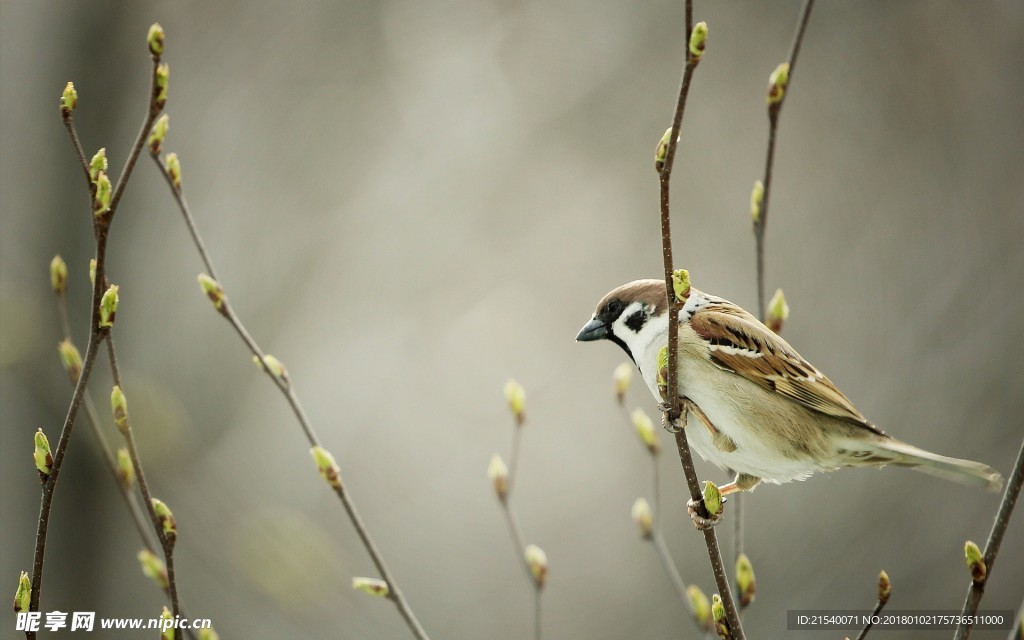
x=759, y=228
x=504, y=481
x=774, y=109
x=884, y=591
x=867, y=627
x=995, y=539
x=166, y=544
x=101, y=228
x=94, y=422
x=649, y=438
x=674, y=400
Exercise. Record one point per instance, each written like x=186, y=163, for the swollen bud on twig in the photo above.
x=41, y=454
x=643, y=518
x=208, y=634
x=712, y=498
x=92, y=271
x=662, y=151
x=166, y=518
x=372, y=586
x=155, y=39
x=213, y=291
x=158, y=133
x=274, y=367
x=497, y=471
x=326, y=465
x=698, y=40
x=153, y=568
x=174, y=169
x=700, y=607
x=71, y=359
x=681, y=284
x=663, y=372
x=98, y=164
x=23, y=595
x=166, y=625
x=163, y=74
x=745, y=580
x=515, y=395
x=777, y=83
x=645, y=431
x=756, y=200
x=721, y=622
x=119, y=407
x=537, y=561
x=58, y=275
x=975, y=562
x=777, y=312
x=884, y=587
x=125, y=469
x=68, y=100
x=101, y=202
x=622, y=377
x=108, y=306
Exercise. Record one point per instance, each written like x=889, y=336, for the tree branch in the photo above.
x=101, y=229
x=166, y=544
x=774, y=109
x=286, y=388
x=995, y=539
x=673, y=398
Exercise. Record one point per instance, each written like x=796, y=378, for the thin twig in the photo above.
x=97, y=333
x=286, y=388
x=674, y=400
x=513, y=457
x=867, y=627
x=669, y=565
x=108, y=455
x=69, y=124
x=759, y=228
x=140, y=140
x=774, y=109
x=51, y=481
x=1018, y=625
x=655, y=537
x=995, y=539
x=166, y=544
x=518, y=540
x=186, y=213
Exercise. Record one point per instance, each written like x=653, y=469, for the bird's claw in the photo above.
x=702, y=523
x=665, y=424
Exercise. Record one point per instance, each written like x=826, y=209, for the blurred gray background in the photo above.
x=411, y=202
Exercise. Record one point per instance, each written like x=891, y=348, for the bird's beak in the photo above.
x=593, y=330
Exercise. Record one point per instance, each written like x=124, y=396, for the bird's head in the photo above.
x=632, y=316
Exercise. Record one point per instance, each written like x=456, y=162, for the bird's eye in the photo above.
x=614, y=307
x=636, y=321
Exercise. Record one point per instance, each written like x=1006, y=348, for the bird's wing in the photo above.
x=741, y=344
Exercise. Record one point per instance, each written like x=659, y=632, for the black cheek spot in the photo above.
x=636, y=321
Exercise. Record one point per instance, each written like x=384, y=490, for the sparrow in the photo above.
x=755, y=405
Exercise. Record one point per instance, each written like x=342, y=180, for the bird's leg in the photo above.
x=742, y=482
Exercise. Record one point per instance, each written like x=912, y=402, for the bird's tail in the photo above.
x=887, y=450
